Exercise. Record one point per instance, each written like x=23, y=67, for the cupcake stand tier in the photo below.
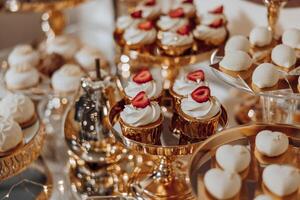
x=204, y=158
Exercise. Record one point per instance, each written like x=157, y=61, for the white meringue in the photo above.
x=63, y=45
x=10, y=134
x=236, y=61
x=23, y=55
x=260, y=36
x=265, y=75
x=86, y=57
x=284, y=56
x=291, y=38
x=237, y=43
x=18, y=78
x=263, y=197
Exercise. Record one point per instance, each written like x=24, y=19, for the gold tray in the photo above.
x=203, y=159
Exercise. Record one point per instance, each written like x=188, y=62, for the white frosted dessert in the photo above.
x=213, y=15
x=284, y=56
x=10, y=134
x=237, y=43
x=86, y=57
x=234, y=158
x=260, y=37
x=222, y=184
x=143, y=34
x=263, y=197
x=265, y=76
x=167, y=23
x=281, y=180
x=150, y=9
x=67, y=78
x=291, y=38
x=126, y=21
x=185, y=85
x=210, y=35
x=236, y=61
x=271, y=143
x=18, y=107
x=18, y=78
x=188, y=7
x=65, y=46
x=175, y=39
x=23, y=55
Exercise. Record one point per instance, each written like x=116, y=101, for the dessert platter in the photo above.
x=259, y=161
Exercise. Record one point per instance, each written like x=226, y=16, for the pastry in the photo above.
x=23, y=55
x=20, y=108
x=65, y=46
x=265, y=77
x=237, y=43
x=173, y=21
x=11, y=134
x=51, y=63
x=86, y=57
x=235, y=158
x=213, y=15
x=284, y=57
x=281, y=180
x=199, y=113
x=222, y=184
x=176, y=43
x=236, y=63
x=127, y=21
x=263, y=197
x=150, y=9
x=298, y=85
x=188, y=7
x=143, y=81
x=291, y=38
x=261, y=42
x=142, y=120
x=67, y=79
x=21, y=77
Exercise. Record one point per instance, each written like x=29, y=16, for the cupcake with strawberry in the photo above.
x=213, y=15
x=174, y=20
x=142, y=119
x=199, y=114
x=176, y=43
x=151, y=9
x=188, y=7
x=143, y=81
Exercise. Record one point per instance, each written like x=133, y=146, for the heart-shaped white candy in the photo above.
x=282, y=180
x=233, y=158
x=271, y=143
x=222, y=184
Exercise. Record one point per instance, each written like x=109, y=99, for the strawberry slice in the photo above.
x=176, y=13
x=147, y=25
x=201, y=94
x=196, y=76
x=217, y=10
x=143, y=76
x=184, y=30
x=217, y=23
x=188, y=1
x=136, y=14
x=140, y=100
x=150, y=2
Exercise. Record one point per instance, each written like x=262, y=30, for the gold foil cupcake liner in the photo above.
x=176, y=97
x=174, y=50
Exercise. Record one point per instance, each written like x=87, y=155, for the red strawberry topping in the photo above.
x=143, y=76
x=197, y=75
x=176, y=13
x=140, y=100
x=217, y=23
x=136, y=14
x=187, y=1
x=201, y=94
x=184, y=30
x=217, y=10
x=150, y=2
x=147, y=25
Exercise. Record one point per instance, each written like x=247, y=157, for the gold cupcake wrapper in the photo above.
x=176, y=98
x=174, y=50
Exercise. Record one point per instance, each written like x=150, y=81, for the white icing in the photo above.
x=184, y=87
x=271, y=143
x=149, y=12
x=23, y=55
x=137, y=36
x=281, y=180
x=260, y=36
x=63, y=45
x=236, y=61
x=166, y=23
x=141, y=116
x=265, y=75
x=152, y=88
x=209, y=18
x=237, y=42
x=17, y=79
x=10, y=134
x=214, y=36
x=126, y=21
x=284, y=56
x=175, y=39
x=263, y=197
x=222, y=184
x=291, y=38
x=188, y=8
x=86, y=57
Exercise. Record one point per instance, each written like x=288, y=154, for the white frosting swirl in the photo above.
x=16, y=79
x=209, y=18
x=188, y=8
x=183, y=86
x=136, y=36
x=63, y=45
x=260, y=36
x=214, y=36
x=126, y=21
x=152, y=88
x=10, y=134
x=149, y=12
x=199, y=110
x=291, y=38
x=86, y=57
x=18, y=107
x=166, y=23
x=237, y=43
x=265, y=75
x=23, y=55
x=141, y=116
x=284, y=56
x=236, y=61
x=175, y=39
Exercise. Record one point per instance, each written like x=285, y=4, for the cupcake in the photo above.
x=237, y=43
x=213, y=15
x=20, y=108
x=127, y=21
x=150, y=9
x=236, y=63
x=66, y=79
x=284, y=57
x=50, y=64
x=21, y=77
x=23, y=55
x=199, y=113
x=261, y=42
x=65, y=46
x=291, y=38
x=142, y=120
x=143, y=81
x=281, y=180
x=263, y=197
x=173, y=21
x=188, y=7
x=11, y=134
x=176, y=43
x=222, y=184
x=265, y=78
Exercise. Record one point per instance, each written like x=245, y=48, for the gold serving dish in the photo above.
x=204, y=158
